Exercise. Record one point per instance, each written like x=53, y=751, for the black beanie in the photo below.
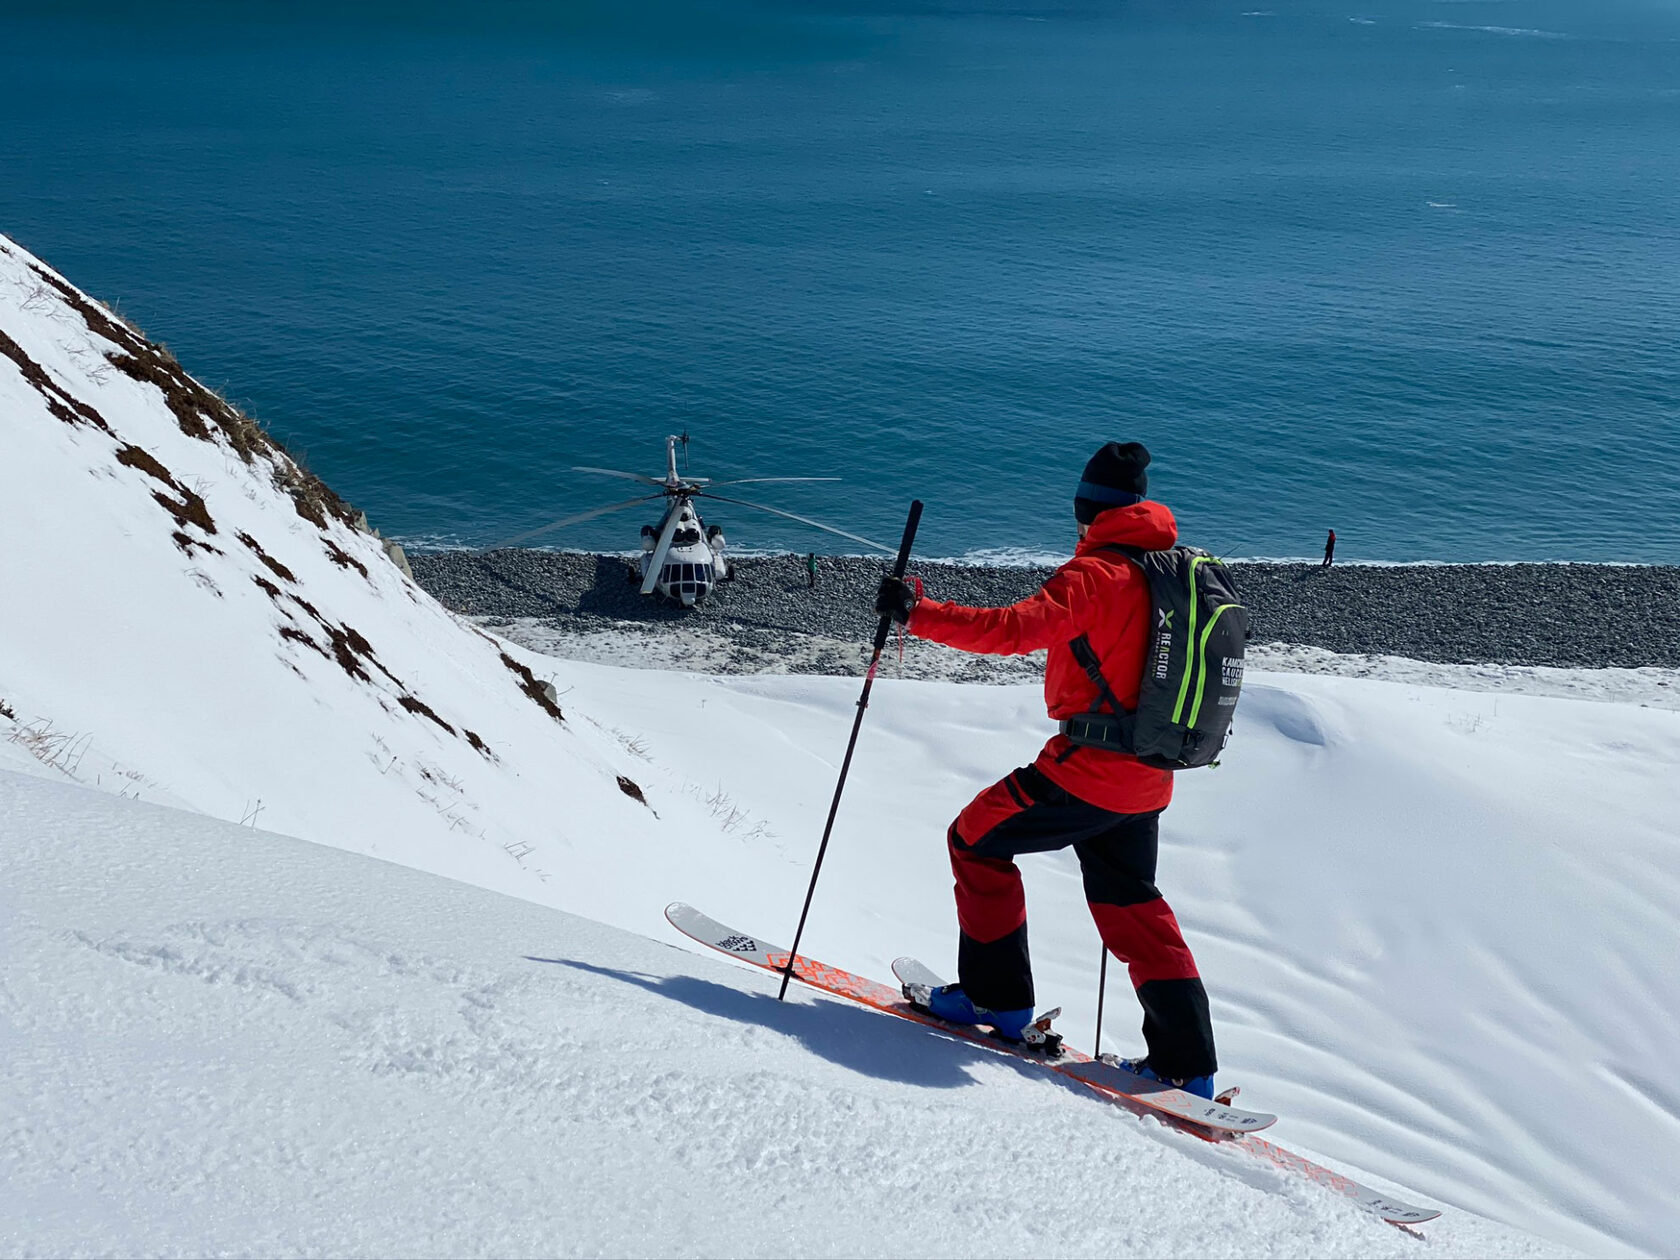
x=1113, y=477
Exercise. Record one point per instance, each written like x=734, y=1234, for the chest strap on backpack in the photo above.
x=1112, y=730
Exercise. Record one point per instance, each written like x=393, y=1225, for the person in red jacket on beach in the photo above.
x=1104, y=803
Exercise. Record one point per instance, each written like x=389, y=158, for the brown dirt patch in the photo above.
x=343, y=559
x=424, y=710
x=529, y=684
x=60, y=402
x=188, y=544
x=295, y=635
x=188, y=509
x=275, y=567
x=146, y=462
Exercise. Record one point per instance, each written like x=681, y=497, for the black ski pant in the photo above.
x=1026, y=813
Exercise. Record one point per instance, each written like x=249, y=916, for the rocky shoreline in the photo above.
x=770, y=620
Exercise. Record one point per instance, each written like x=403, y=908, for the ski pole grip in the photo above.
x=899, y=565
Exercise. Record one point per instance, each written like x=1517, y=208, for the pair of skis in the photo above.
x=1212, y=1120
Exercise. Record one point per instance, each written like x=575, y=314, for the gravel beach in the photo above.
x=769, y=620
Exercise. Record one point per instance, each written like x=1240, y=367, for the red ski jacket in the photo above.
x=1105, y=597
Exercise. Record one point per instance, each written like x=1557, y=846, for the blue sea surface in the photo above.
x=1409, y=269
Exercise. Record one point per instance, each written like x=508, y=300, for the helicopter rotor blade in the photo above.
x=749, y=481
x=656, y=561
x=803, y=520
x=573, y=520
x=614, y=472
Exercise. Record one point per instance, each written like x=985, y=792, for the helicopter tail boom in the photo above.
x=803, y=520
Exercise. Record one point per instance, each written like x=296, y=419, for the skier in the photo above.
x=1329, y=550
x=1104, y=803
x=811, y=570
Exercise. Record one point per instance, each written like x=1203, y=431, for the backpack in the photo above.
x=1192, y=674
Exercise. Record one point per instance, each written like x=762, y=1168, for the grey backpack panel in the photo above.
x=1193, y=673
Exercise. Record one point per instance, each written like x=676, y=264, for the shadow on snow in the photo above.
x=852, y=1036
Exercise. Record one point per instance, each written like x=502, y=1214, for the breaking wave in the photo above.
x=1527, y=32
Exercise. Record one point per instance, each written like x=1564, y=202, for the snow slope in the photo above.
x=190, y=618
x=1438, y=926
x=220, y=1041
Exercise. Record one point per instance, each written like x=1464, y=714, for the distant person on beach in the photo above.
x=811, y=570
x=1329, y=550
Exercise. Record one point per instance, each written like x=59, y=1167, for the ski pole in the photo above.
x=881, y=632
x=1102, y=991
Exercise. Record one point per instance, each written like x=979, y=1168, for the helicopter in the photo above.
x=682, y=558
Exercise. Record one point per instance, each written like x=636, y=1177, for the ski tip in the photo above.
x=675, y=909
x=1406, y=1217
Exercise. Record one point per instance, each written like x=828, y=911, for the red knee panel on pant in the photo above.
x=991, y=809
x=990, y=901
x=1147, y=939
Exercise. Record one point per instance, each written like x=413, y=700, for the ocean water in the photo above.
x=1409, y=269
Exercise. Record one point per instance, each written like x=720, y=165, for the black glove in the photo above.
x=896, y=599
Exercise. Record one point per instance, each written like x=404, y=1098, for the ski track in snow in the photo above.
x=1437, y=922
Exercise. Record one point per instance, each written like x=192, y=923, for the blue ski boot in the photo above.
x=949, y=1002
x=1201, y=1086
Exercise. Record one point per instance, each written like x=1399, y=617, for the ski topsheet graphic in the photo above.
x=1210, y=1120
